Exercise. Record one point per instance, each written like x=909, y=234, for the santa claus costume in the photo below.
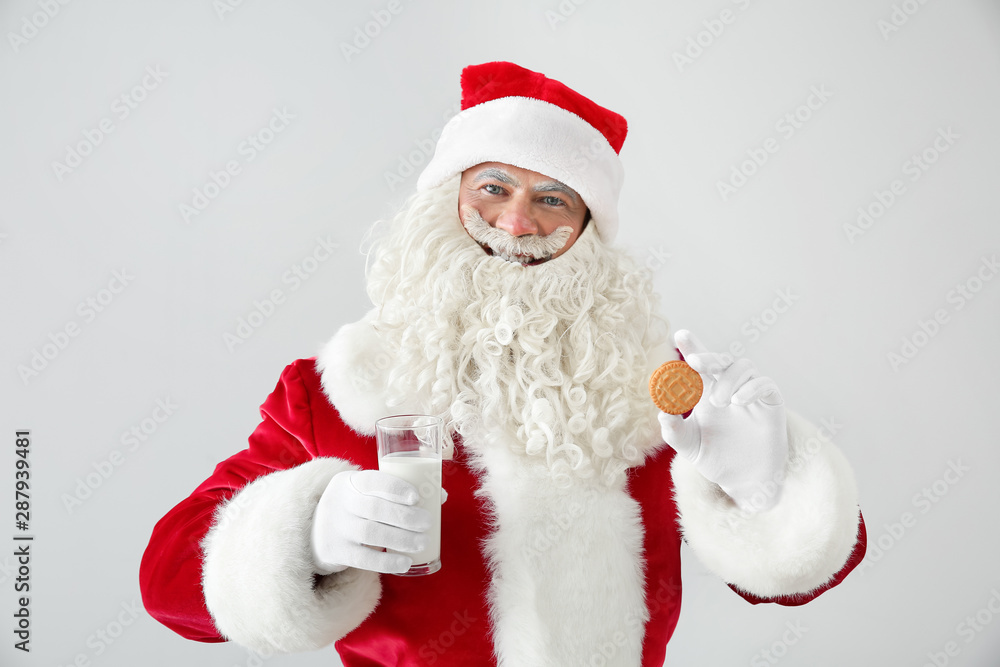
x=566, y=509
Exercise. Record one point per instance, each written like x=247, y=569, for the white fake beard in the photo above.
x=549, y=361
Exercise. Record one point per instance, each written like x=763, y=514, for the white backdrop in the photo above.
x=115, y=300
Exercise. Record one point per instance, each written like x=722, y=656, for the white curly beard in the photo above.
x=551, y=361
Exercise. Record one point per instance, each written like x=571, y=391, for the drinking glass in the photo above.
x=409, y=447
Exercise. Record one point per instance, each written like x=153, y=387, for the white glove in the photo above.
x=736, y=434
x=362, y=512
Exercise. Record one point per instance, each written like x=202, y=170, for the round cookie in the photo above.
x=675, y=387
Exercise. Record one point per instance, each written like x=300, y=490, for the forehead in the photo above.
x=493, y=169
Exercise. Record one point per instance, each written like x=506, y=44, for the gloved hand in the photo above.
x=359, y=513
x=736, y=434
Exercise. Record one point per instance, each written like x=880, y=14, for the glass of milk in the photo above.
x=409, y=447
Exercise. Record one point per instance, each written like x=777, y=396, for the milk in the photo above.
x=425, y=474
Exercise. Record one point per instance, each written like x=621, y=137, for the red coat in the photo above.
x=441, y=619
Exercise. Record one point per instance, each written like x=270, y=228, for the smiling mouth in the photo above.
x=522, y=259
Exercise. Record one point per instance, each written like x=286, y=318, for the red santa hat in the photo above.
x=513, y=115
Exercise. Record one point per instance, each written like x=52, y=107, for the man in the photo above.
x=500, y=306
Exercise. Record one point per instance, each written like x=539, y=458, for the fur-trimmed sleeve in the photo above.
x=233, y=559
x=259, y=578
x=797, y=549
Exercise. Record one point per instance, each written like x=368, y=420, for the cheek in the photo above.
x=555, y=220
x=463, y=200
x=481, y=204
x=569, y=243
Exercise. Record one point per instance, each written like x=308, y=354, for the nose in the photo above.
x=516, y=218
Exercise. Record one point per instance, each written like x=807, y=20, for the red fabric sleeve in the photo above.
x=857, y=555
x=170, y=572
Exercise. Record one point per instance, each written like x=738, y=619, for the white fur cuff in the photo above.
x=792, y=548
x=258, y=574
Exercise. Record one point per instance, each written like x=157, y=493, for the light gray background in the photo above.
x=325, y=174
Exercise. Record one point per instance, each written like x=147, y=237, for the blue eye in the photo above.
x=553, y=201
x=493, y=189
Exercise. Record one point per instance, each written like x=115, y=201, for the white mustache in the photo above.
x=508, y=246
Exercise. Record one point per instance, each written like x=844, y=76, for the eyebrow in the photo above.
x=556, y=186
x=497, y=175
x=548, y=186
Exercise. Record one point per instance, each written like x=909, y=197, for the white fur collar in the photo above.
x=353, y=367
x=567, y=568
